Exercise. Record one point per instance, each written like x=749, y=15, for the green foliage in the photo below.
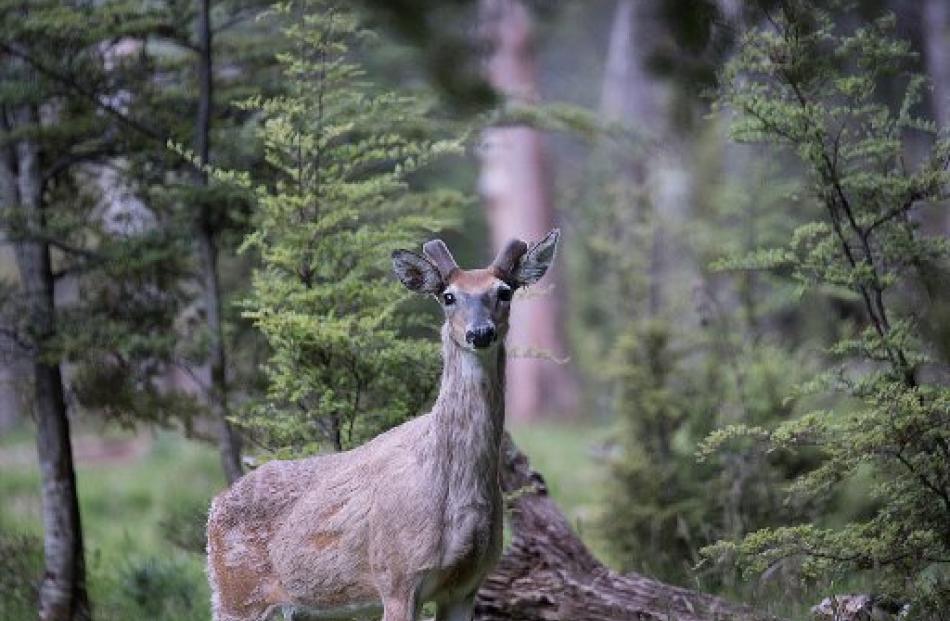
x=802, y=83
x=21, y=565
x=128, y=505
x=159, y=589
x=656, y=519
x=670, y=374
x=184, y=524
x=121, y=259
x=345, y=362
x=243, y=63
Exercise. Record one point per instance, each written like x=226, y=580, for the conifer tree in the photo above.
x=669, y=382
x=212, y=56
x=802, y=83
x=62, y=90
x=346, y=362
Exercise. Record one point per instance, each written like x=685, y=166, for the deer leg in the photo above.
x=398, y=611
x=461, y=610
x=401, y=606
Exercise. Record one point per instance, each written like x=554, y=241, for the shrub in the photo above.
x=183, y=525
x=804, y=84
x=156, y=588
x=21, y=565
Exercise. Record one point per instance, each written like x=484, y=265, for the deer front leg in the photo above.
x=461, y=610
x=401, y=599
x=401, y=608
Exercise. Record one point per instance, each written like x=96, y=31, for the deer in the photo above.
x=413, y=515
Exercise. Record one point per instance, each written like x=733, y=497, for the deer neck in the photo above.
x=470, y=413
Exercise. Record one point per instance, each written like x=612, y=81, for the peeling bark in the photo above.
x=547, y=574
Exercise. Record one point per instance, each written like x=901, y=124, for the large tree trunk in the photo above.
x=547, y=574
x=62, y=595
x=515, y=186
x=936, y=30
x=629, y=95
x=632, y=96
x=228, y=441
x=935, y=25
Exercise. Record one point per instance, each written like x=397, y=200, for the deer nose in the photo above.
x=480, y=336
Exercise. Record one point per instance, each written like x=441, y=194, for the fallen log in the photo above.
x=548, y=574
x=859, y=607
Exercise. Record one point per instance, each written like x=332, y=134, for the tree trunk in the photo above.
x=515, y=186
x=935, y=17
x=228, y=440
x=62, y=594
x=630, y=95
x=547, y=574
x=11, y=396
x=936, y=32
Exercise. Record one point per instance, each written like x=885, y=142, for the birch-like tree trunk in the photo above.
x=228, y=440
x=62, y=593
x=515, y=185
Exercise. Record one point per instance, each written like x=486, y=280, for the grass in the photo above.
x=134, y=508
x=128, y=504
x=134, y=572
x=565, y=455
x=121, y=502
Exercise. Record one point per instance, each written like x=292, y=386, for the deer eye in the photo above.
x=504, y=294
x=448, y=299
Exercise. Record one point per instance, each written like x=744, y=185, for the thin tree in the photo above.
x=205, y=236
x=48, y=134
x=803, y=83
x=63, y=589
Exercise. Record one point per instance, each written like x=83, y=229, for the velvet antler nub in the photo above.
x=508, y=258
x=439, y=254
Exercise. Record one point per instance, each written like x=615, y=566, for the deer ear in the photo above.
x=417, y=273
x=535, y=262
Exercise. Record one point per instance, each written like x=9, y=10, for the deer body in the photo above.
x=413, y=515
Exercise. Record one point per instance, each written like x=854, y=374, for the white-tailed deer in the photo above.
x=414, y=515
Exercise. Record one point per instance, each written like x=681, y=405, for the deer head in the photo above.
x=476, y=302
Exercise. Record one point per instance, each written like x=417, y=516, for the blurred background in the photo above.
x=723, y=390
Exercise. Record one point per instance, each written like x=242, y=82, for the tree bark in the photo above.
x=515, y=185
x=228, y=440
x=62, y=593
x=547, y=574
x=935, y=17
x=936, y=31
x=630, y=95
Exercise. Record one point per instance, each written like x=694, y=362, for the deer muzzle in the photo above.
x=480, y=336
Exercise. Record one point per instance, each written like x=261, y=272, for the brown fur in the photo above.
x=421, y=517
x=414, y=515
x=474, y=281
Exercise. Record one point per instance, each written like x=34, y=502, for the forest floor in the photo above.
x=139, y=492
x=142, y=499
x=568, y=456
x=132, y=490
